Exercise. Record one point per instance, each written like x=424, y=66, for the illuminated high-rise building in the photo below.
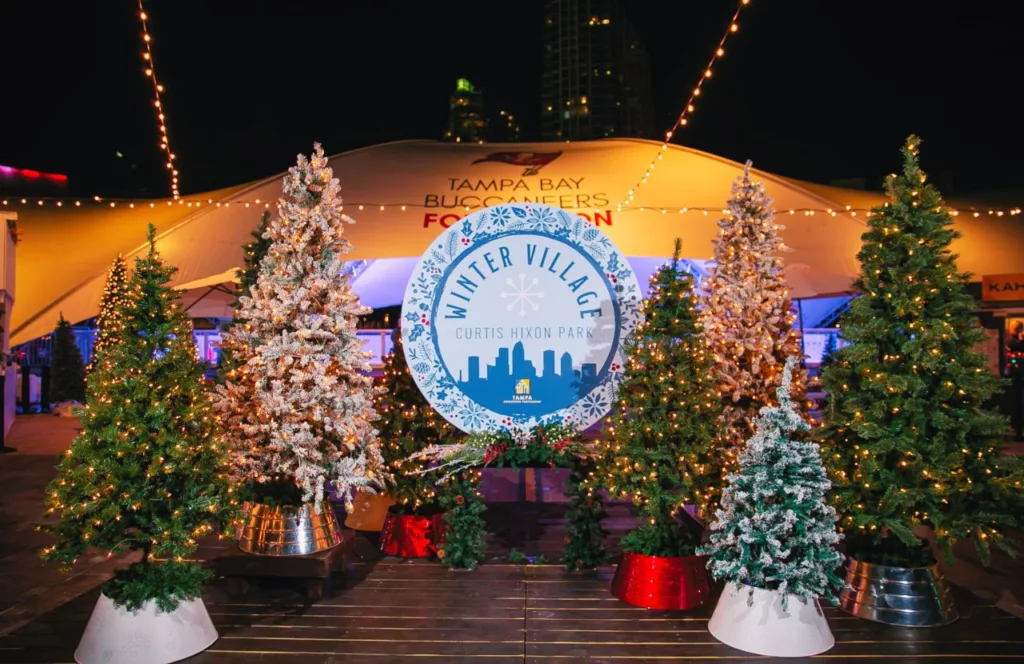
x=503, y=129
x=466, y=122
x=597, y=75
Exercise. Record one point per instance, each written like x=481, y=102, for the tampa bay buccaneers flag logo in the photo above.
x=533, y=161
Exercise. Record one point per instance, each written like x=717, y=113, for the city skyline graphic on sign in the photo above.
x=512, y=384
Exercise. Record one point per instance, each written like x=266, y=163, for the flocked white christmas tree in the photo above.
x=775, y=530
x=747, y=316
x=300, y=406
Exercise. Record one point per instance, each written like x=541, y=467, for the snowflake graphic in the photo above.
x=595, y=404
x=472, y=415
x=524, y=296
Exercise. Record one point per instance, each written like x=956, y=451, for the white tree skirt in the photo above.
x=117, y=636
x=764, y=628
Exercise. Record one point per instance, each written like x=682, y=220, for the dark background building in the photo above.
x=504, y=128
x=466, y=122
x=469, y=121
x=596, y=80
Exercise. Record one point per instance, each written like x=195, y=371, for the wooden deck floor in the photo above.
x=415, y=612
x=395, y=611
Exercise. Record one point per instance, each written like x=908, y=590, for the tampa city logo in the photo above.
x=533, y=161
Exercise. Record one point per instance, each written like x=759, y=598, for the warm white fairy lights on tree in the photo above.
x=748, y=322
x=775, y=530
x=301, y=405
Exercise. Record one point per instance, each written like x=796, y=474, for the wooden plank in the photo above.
x=377, y=622
x=496, y=633
x=405, y=613
x=219, y=655
x=897, y=651
x=346, y=646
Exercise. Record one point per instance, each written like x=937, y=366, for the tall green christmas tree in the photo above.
x=67, y=372
x=908, y=437
x=660, y=445
x=254, y=251
x=776, y=530
x=110, y=323
x=407, y=424
x=147, y=472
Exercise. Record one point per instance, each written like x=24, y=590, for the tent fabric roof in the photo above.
x=64, y=253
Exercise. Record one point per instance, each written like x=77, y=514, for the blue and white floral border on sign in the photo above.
x=486, y=225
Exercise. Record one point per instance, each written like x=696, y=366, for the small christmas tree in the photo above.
x=747, y=319
x=831, y=346
x=110, y=322
x=659, y=447
x=67, y=371
x=254, y=251
x=908, y=436
x=584, y=535
x=463, y=543
x=406, y=425
x=299, y=417
x=147, y=472
x=775, y=530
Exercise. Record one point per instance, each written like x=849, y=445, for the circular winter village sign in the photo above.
x=516, y=316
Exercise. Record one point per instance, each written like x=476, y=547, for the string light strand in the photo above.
x=683, y=119
x=161, y=114
x=60, y=202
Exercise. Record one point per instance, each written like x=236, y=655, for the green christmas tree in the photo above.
x=110, y=323
x=831, y=346
x=254, y=251
x=775, y=530
x=67, y=372
x=908, y=437
x=407, y=424
x=660, y=444
x=147, y=472
x=584, y=535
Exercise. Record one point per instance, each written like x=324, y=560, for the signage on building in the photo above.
x=1002, y=287
x=458, y=195
x=517, y=315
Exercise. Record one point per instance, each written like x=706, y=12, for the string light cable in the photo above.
x=150, y=70
x=683, y=119
x=95, y=201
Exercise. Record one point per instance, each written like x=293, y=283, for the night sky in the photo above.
x=814, y=89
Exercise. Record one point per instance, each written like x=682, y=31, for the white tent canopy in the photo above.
x=403, y=194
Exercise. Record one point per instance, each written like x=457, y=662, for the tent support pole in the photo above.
x=800, y=317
